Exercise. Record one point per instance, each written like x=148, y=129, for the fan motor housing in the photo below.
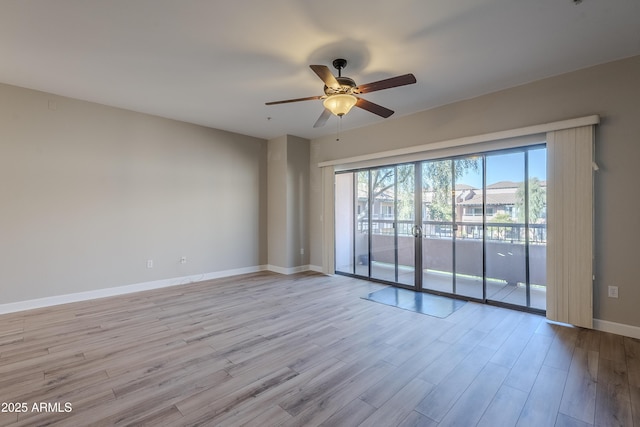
x=346, y=86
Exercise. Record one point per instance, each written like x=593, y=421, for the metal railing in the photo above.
x=504, y=231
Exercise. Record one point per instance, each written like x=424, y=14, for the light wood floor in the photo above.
x=304, y=350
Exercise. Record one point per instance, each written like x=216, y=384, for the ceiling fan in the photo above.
x=340, y=92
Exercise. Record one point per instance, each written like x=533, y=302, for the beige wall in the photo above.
x=611, y=90
x=88, y=193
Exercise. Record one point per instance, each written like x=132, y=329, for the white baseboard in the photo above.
x=121, y=290
x=617, y=328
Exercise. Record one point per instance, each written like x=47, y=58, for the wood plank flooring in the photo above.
x=306, y=350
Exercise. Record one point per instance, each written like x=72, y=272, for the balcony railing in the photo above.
x=504, y=232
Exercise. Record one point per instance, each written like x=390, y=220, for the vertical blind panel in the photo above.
x=570, y=226
x=328, y=216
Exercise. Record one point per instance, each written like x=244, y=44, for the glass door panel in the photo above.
x=382, y=219
x=405, y=220
x=537, y=220
x=437, y=226
x=344, y=223
x=505, y=242
x=361, y=236
x=469, y=203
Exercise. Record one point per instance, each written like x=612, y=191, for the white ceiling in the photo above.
x=217, y=62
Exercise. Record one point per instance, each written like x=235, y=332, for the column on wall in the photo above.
x=288, y=204
x=328, y=217
x=570, y=226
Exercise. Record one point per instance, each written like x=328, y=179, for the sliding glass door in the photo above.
x=437, y=226
x=405, y=222
x=468, y=226
x=504, y=243
x=516, y=230
x=345, y=223
x=382, y=206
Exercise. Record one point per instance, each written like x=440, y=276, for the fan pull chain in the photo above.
x=339, y=128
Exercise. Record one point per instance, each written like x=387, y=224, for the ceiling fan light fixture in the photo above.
x=340, y=104
x=339, y=92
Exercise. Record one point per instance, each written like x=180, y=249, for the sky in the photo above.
x=509, y=167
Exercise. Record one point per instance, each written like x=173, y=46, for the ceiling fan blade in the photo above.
x=374, y=108
x=322, y=119
x=403, y=80
x=309, y=98
x=325, y=74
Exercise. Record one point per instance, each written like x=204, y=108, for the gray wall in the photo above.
x=288, y=202
x=277, y=202
x=611, y=90
x=88, y=193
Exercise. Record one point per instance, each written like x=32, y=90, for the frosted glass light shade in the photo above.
x=340, y=104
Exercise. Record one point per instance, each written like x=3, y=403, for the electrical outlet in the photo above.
x=183, y=260
x=613, y=292
x=149, y=263
x=301, y=251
